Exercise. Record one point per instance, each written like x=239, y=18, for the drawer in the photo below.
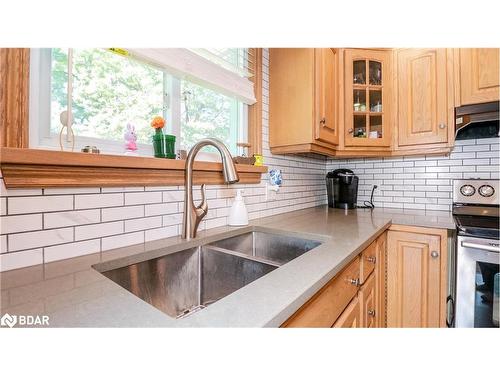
x=351, y=317
x=368, y=260
x=325, y=307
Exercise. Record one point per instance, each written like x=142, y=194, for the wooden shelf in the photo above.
x=30, y=168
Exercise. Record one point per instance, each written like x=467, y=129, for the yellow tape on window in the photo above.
x=119, y=51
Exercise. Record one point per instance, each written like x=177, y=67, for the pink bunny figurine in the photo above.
x=130, y=139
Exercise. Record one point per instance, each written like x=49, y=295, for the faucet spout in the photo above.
x=194, y=214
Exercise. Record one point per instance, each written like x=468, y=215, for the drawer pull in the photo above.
x=371, y=313
x=371, y=259
x=354, y=282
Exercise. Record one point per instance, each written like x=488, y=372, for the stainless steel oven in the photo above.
x=475, y=210
x=477, y=300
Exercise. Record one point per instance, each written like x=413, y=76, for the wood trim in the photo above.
x=416, y=229
x=23, y=168
x=255, y=110
x=14, y=94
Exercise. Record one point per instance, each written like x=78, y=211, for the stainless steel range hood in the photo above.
x=477, y=121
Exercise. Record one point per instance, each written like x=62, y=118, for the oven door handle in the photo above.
x=479, y=246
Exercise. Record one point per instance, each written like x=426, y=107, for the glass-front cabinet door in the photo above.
x=367, y=79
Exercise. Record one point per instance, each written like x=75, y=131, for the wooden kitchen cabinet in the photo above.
x=367, y=98
x=350, y=299
x=380, y=281
x=367, y=298
x=325, y=307
x=416, y=277
x=425, y=98
x=368, y=259
x=478, y=75
x=351, y=317
x=303, y=103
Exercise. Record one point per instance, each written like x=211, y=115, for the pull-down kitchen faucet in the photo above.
x=194, y=214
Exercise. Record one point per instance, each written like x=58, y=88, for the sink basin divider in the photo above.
x=241, y=255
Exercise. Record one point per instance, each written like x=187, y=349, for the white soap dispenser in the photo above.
x=238, y=214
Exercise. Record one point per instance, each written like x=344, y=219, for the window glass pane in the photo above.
x=236, y=60
x=58, y=87
x=109, y=91
x=206, y=113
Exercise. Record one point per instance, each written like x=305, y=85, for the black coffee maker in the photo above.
x=342, y=188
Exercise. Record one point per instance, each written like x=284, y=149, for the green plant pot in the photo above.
x=164, y=146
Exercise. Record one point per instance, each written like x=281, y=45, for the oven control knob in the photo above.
x=467, y=190
x=486, y=190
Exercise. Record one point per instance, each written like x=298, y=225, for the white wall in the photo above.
x=44, y=225
x=425, y=182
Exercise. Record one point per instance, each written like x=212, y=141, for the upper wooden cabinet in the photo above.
x=479, y=75
x=425, y=108
x=374, y=102
x=416, y=277
x=367, y=103
x=303, y=115
x=326, y=119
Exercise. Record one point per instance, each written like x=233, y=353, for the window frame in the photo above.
x=33, y=168
x=40, y=121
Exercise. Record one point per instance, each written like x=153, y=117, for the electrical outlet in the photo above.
x=271, y=192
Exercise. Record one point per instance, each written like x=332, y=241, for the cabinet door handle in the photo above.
x=354, y=282
x=371, y=259
x=350, y=131
x=371, y=313
x=434, y=254
x=442, y=126
x=323, y=121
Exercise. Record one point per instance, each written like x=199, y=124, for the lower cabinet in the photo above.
x=416, y=277
x=325, y=307
x=351, y=317
x=399, y=280
x=368, y=301
x=350, y=298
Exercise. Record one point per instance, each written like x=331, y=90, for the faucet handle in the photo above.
x=203, y=205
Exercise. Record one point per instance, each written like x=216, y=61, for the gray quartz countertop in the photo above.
x=73, y=294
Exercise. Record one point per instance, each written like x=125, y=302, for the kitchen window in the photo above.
x=110, y=90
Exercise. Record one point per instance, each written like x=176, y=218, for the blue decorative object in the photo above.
x=275, y=177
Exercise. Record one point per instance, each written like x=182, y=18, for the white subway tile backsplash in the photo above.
x=20, y=223
x=3, y=244
x=163, y=232
x=143, y=197
x=424, y=183
x=85, y=232
x=3, y=206
x=143, y=223
x=25, y=205
x=161, y=209
x=113, y=242
x=30, y=240
x=4, y=192
x=98, y=201
x=71, y=191
x=122, y=213
x=75, y=249
x=10, y=261
x=176, y=218
x=71, y=218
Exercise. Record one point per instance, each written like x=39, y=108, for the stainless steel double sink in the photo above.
x=188, y=280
